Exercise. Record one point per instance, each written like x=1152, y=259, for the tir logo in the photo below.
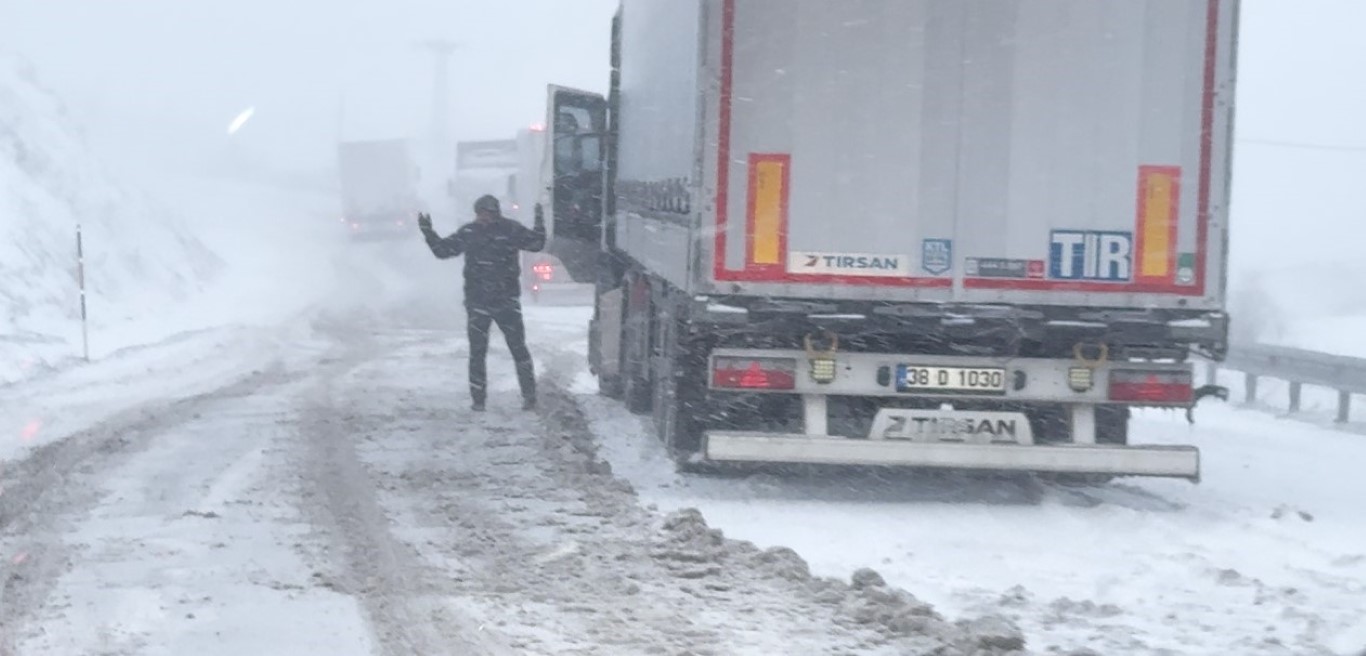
x=1091, y=255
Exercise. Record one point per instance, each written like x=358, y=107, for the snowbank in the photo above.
x=140, y=259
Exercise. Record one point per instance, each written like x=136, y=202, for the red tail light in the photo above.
x=754, y=373
x=543, y=270
x=1156, y=387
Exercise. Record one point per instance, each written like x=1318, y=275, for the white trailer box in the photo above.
x=379, y=181
x=485, y=168
x=1030, y=186
x=1036, y=152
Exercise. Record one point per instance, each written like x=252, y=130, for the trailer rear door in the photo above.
x=1054, y=152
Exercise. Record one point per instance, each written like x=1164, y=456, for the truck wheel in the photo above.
x=636, y=394
x=635, y=367
x=637, y=391
x=608, y=386
x=681, y=407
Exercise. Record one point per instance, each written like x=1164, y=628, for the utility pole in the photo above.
x=441, y=154
x=441, y=103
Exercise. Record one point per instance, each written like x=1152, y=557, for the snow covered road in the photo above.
x=322, y=488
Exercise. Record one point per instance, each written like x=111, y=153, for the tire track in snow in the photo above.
x=378, y=569
x=54, y=483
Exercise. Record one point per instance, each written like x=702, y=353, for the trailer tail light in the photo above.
x=1155, y=387
x=543, y=270
x=754, y=373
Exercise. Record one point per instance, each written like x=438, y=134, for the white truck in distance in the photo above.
x=923, y=233
x=379, y=188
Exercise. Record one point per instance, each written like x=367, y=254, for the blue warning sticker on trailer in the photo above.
x=1091, y=255
x=937, y=256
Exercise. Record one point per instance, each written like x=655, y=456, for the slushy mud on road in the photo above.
x=341, y=499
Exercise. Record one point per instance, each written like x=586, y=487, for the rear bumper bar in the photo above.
x=1163, y=461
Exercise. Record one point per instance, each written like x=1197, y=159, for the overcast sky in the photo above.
x=171, y=74
x=185, y=68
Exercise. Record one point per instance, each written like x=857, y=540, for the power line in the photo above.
x=1302, y=146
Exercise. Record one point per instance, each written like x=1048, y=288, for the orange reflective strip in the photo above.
x=1159, y=203
x=768, y=198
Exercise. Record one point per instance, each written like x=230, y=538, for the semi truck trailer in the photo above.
x=379, y=188
x=970, y=235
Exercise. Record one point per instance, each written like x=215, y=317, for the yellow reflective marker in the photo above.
x=768, y=179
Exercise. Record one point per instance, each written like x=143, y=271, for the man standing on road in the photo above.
x=492, y=287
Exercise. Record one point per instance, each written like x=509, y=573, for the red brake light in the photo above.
x=1155, y=387
x=754, y=373
x=543, y=270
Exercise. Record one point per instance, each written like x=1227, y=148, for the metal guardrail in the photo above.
x=1299, y=367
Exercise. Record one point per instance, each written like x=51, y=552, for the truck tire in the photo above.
x=637, y=379
x=680, y=399
x=608, y=386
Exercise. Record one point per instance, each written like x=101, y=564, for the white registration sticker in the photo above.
x=980, y=380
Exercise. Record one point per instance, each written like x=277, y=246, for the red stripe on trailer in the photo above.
x=723, y=139
x=1206, y=146
x=1073, y=286
x=833, y=279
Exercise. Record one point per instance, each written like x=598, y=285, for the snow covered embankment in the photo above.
x=139, y=258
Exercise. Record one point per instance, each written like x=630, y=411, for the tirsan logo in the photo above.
x=853, y=262
x=849, y=264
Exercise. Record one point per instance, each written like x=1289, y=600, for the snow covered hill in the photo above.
x=140, y=259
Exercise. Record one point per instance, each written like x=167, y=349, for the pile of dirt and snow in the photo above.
x=139, y=257
x=694, y=551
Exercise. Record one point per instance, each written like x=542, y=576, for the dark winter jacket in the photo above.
x=492, y=268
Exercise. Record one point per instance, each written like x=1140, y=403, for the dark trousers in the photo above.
x=508, y=316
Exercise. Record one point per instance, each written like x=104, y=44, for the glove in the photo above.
x=540, y=216
x=424, y=222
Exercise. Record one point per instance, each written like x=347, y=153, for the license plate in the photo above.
x=971, y=380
